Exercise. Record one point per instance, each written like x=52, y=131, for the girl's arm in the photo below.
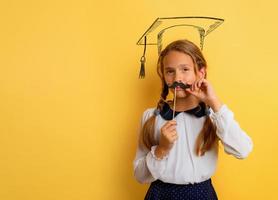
x=147, y=167
x=233, y=138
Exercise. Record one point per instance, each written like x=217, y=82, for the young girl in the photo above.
x=178, y=146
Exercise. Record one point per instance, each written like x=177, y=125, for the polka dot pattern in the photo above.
x=168, y=191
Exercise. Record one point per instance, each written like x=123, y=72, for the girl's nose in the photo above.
x=178, y=77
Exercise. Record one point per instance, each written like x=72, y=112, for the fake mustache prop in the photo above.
x=175, y=85
x=179, y=84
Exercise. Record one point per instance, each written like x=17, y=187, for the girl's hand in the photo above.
x=168, y=135
x=202, y=89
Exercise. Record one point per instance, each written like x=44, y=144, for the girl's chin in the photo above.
x=182, y=94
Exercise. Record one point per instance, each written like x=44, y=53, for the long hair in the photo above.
x=207, y=138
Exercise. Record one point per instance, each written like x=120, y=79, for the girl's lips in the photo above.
x=178, y=89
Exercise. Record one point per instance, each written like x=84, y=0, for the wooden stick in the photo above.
x=174, y=106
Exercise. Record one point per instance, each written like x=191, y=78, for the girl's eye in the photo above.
x=170, y=72
x=185, y=69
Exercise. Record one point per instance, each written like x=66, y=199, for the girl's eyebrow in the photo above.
x=184, y=65
x=180, y=65
x=168, y=67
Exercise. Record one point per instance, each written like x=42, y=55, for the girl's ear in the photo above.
x=202, y=73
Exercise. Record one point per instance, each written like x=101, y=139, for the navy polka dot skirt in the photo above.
x=167, y=191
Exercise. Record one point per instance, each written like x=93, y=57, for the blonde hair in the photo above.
x=207, y=138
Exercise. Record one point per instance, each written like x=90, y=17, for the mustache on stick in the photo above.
x=179, y=84
x=175, y=85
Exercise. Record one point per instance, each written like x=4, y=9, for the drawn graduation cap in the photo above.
x=172, y=28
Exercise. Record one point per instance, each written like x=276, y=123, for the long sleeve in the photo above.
x=147, y=168
x=234, y=139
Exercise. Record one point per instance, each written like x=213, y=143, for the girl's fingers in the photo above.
x=199, y=84
x=189, y=90
x=205, y=83
x=195, y=86
x=169, y=123
x=171, y=128
x=201, y=89
x=175, y=134
x=174, y=138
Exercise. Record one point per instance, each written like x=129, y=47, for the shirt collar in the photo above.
x=199, y=111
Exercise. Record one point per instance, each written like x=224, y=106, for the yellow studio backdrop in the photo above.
x=71, y=100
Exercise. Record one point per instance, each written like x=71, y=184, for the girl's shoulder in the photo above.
x=148, y=113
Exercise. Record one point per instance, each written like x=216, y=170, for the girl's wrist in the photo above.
x=160, y=152
x=215, y=104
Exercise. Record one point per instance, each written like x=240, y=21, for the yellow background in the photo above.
x=71, y=99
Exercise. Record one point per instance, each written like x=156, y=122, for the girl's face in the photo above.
x=178, y=66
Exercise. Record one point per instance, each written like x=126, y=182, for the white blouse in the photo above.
x=182, y=165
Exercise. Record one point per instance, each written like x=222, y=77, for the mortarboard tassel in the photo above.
x=143, y=61
x=142, y=68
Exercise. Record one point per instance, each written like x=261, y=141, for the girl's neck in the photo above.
x=183, y=104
